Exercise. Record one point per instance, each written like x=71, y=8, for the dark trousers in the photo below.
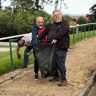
x=27, y=49
x=36, y=67
x=60, y=62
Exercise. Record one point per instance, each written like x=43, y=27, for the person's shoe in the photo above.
x=36, y=77
x=54, y=79
x=24, y=67
x=63, y=83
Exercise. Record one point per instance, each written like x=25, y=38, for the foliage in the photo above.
x=92, y=16
x=20, y=22
x=92, y=9
x=25, y=5
x=19, y=16
x=77, y=37
x=6, y=24
x=29, y=5
x=81, y=20
x=68, y=18
x=91, y=19
x=5, y=65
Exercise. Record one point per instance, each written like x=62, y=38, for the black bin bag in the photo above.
x=45, y=56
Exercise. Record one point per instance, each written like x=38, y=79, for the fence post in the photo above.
x=77, y=30
x=11, y=57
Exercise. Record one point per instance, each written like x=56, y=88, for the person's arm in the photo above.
x=17, y=52
x=34, y=34
x=44, y=33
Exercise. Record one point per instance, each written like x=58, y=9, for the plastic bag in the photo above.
x=45, y=56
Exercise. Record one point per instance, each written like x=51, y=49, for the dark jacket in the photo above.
x=58, y=31
x=35, y=33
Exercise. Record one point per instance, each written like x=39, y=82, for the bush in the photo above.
x=19, y=23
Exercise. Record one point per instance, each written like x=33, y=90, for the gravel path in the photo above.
x=81, y=63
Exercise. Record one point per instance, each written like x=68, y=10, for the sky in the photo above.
x=73, y=7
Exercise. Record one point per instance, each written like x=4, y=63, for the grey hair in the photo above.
x=56, y=11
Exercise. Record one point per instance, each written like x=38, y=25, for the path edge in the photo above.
x=85, y=90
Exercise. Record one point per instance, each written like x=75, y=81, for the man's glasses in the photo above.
x=56, y=15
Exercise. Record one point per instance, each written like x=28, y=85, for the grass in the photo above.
x=5, y=65
x=74, y=38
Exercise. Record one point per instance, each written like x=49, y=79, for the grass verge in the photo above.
x=5, y=63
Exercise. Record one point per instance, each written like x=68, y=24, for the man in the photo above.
x=25, y=41
x=58, y=33
x=37, y=29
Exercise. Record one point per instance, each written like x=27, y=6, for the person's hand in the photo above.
x=53, y=41
x=19, y=55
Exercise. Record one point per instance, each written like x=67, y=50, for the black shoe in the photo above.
x=54, y=79
x=24, y=67
x=36, y=77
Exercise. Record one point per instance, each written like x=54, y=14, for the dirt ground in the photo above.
x=81, y=63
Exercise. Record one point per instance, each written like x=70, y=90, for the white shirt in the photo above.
x=27, y=38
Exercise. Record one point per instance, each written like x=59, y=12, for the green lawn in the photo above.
x=5, y=65
x=74, y=38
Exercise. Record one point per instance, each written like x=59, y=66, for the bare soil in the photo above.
x=81, y=63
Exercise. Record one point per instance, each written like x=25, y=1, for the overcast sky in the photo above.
x=72, y=7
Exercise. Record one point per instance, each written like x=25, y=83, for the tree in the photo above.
x=0, y=4
x=81, y=20
x=93, y=11
x=68, y=18
x=32, y=5
x=37, y=4
x=29, y=5
x=20, y=22
x=22, y=5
